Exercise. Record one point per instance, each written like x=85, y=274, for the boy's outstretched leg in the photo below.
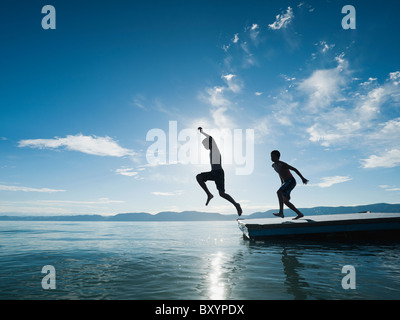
x=230, y=199
x=291, y=206
x=203, y=185
x=280, y=198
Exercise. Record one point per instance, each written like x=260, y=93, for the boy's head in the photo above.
x=275, y=155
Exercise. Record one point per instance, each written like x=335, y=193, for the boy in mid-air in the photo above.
x=216, y=174
x=288, y=183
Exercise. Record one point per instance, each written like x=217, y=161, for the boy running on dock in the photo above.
x=216, y=174
x=288, y=184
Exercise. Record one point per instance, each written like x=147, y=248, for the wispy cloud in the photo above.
x=219, y=98
x=129, y=172
x=55, y=207
x=98, y=146
x=254, y=32
x=323, y=86
x=390, y=159
x=330, y=181
x=28, y=189
x=306, y=6
x=353, y=115
x=234, y=40
x=282, y=20
x=168, y=194
x=325, y=47
x=79, y=202
x=215, y=96
x=140, y=102
x=389, y=188
x=234, y=84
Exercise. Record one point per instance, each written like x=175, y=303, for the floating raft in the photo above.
x=370, y=224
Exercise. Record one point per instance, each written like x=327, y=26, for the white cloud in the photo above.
x=389, y=188
x=215, y=96
x=360, y=116
x=254, y=32
x=234, y=84
x=168, y=194
x=330, y=181
x=394, y=76
x=221, y=119
x=370, y=105
x=323, y=86
x=262, y=129
x=234, y=40
x=53, y=207
x=282, y=20
x=319, y=133
x=367, y=83
x=390, y=159
x=248, y=58
x=390, y=131
x=129, y=172
x=228, y=77
x=27, y=189
x=325, y=46
x=78, y=202
x=140, y=102
x=99, y=146
x=287, y=78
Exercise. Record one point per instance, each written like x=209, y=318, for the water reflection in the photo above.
x=216, y=282
x=294, y=283
x=285, y=259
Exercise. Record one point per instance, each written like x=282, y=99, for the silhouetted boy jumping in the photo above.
x=216, y=174
x=288, y=184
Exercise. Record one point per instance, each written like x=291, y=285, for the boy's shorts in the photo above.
x=287, y=187
x=218, y=176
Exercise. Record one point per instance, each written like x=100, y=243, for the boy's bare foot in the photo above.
x=299, y=216
x=280, y=214
x=239, y=209
x=210, y=196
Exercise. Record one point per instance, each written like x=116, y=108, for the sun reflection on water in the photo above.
x=216, y=284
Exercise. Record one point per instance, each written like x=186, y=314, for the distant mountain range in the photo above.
x=205, y=216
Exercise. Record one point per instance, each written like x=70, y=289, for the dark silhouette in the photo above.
x=288, y=183
x=216, y=174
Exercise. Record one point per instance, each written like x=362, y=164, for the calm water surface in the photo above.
x=185, y=260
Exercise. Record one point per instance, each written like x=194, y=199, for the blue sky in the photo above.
x=78, y=102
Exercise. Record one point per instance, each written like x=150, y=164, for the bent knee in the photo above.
x=285, y=200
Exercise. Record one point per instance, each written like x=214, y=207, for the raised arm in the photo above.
x=305, y=181
x=201, y=130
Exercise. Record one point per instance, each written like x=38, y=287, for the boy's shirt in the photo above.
x=215, y=156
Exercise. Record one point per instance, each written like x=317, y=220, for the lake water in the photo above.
x=185, y=260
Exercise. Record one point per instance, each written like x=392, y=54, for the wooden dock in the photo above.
x=366, y=224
